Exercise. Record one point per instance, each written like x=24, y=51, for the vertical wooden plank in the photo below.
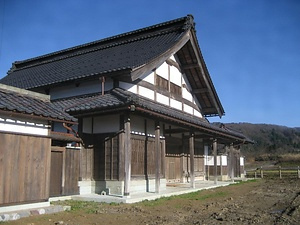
x=127, y=156
x=231, y=162
x=215, y=160
x=192, y=150
x=2, y=168
x=121, y=165
x=157, y=157
x=163, y=158
x=47, y=166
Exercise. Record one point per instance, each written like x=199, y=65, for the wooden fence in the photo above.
x=274, y=172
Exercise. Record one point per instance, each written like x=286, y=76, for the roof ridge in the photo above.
x=189, y=22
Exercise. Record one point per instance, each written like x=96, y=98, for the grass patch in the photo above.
x=88, y=207
x=197, y=196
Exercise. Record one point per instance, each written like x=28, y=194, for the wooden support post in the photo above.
x=280, y=172
x=163, y=158
x=298, y=172
x=261, y=172
x=157, y=157
x=231, y=162
x=215, y=161
x=221, y=169
x=192, y=163
x=127, y=155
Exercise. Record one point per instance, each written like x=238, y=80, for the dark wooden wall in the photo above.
x=106, y=156
x=87, y=163
x=24, y=168
x=143, y=156
x=65, y=171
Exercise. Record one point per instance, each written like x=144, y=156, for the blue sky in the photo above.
x=251, y=47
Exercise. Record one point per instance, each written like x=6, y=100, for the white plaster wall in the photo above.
x=129, y=87
x=224, y=160
x=209, y=161
x=87, y=125
x=163, y=71
x=197, y=113
x=149, y=78
x=19, y=125
x=242, y=161
x=106, y=124
x=175, y=104
x=187, y=95
x=137, y=125
x=162, y=99
x=87, y=87
x=146, y=92
x=175, y=76
x=188, y=109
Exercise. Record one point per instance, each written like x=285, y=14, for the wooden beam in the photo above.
x=175, y=131
x=192, y=167
x=200, y=90
x=157, y=157
x=215, y=160
x=127, y=156
x=190, y=66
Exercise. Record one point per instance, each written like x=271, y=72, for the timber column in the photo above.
x=192, y=167
x=127, y=155
x=157, y=157
x=215, y=161
x=231, y=162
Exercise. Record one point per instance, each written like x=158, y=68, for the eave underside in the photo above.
x=194, y=68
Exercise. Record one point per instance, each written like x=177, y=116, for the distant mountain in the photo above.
x=269, y=139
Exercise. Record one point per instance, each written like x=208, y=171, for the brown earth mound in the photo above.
x=270, y=201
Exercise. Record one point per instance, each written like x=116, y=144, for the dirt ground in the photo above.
x=267, y=201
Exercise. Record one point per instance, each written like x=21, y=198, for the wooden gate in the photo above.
x=64, y=175
x=56, y=173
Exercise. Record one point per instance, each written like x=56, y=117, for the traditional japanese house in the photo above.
x=142, y=100
x=26, y=119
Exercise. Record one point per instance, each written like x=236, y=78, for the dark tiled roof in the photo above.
x=127, y=51
x=119, y=98
x=29, y=103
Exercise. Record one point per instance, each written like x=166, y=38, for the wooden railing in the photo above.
x=274, y=172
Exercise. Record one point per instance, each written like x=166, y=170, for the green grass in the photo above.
x=197, y=196
x=88, y=207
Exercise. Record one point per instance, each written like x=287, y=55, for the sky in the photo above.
x=251, y=47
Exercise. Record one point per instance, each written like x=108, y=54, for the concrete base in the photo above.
x=117, y=187
x=10, y=214
x=24, y=206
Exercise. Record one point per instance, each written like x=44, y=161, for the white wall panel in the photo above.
x=146, y=92
x=20, y=125
x=87, y=125
x=87, y=87
x=106, y=124
x=163, y=71
x=129, y=87
x=242, y=161
x=175, y=76
x=175, y=104
x=149, y=78
x=187, y=95
x=197, y=113
x=188, y=109
x=162, y=99
x=137, y=124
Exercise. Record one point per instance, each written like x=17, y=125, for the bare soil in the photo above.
x=266, y=201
